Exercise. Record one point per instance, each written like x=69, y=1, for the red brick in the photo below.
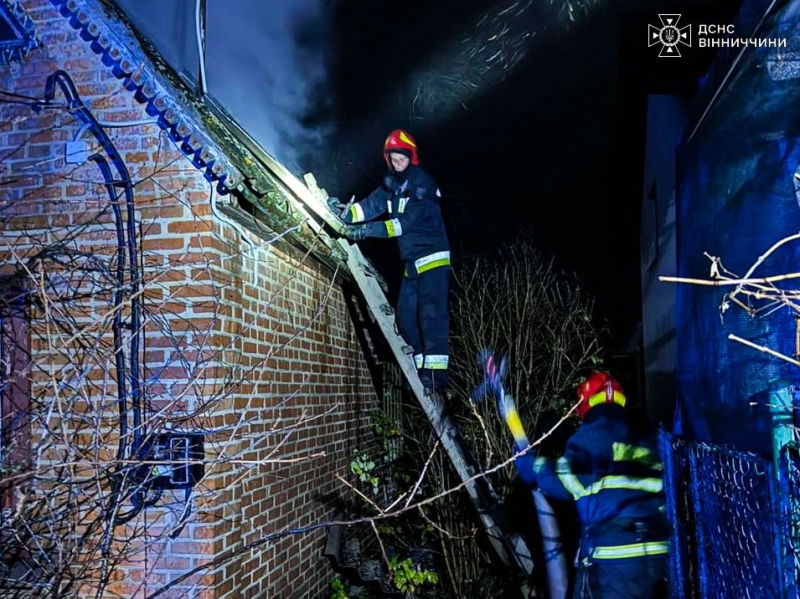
x=220, y=362
x=188, y=226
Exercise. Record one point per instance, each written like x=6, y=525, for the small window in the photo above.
x=15, y=430
x=392, y=408
x=17, y=36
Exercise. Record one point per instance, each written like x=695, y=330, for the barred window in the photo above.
x=17, y=36
x=15, y=441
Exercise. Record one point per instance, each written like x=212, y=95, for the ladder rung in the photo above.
x=505, y=543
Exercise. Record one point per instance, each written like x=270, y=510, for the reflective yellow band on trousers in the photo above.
x=436, y=361
x=432, y=261
x=632, y=550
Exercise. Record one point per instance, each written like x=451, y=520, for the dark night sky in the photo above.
x=556, y=146
x=525, y=117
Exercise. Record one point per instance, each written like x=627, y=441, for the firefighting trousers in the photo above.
x=634, y=578
x=423, y=321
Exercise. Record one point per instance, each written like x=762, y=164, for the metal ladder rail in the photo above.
x=509, y=547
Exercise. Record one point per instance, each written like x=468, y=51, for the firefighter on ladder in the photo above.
x=408, y=204
x=613, y=473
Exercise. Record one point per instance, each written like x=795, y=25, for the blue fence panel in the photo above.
x=736, y=532
x=790, y=518
x=726, y=527
x=682, y=558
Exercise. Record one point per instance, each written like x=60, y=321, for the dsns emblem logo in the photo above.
x=669, y=35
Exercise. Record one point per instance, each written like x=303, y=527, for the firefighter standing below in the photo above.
x=613, y=473
x=410, y=200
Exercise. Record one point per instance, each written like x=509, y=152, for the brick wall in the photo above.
x=249, y=340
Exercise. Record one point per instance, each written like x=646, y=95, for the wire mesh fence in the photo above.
x=790, y=518
x=727, y=521
x=682, y=558
x=736, y=523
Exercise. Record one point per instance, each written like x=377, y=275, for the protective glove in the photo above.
x=357, y=232
x=335, y=205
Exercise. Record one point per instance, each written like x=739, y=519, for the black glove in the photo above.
x=335, y=206
x=356, y=232
x=359, y=232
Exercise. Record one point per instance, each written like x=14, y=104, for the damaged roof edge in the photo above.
x=204, y=134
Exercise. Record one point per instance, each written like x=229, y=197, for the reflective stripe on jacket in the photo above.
x=413, y=216
x=614, y=475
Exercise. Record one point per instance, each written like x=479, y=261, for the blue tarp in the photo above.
x=735, y=199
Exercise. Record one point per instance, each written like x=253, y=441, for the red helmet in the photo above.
x=401, y=141
x=599, y=387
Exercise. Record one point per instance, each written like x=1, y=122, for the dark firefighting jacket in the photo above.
x=411, y=200
x=614, y=476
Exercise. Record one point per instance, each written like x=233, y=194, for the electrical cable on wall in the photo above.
x=240, y=230
x=253, y=246
x=35, y=103
x=117, y=324
x=200, y=35
x=134, y=478
x=126, y=248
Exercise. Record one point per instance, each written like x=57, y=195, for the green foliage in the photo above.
x=386, y=428
x=407, y=532
x=407, y=578
x=362, y=466
x=387, y=530
x=337, y=589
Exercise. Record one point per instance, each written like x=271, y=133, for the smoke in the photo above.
x=424, y=65
x=266, y=63
x=272, y=66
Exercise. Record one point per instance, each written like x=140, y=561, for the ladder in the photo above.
x=511, y=549
x=508, y=546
